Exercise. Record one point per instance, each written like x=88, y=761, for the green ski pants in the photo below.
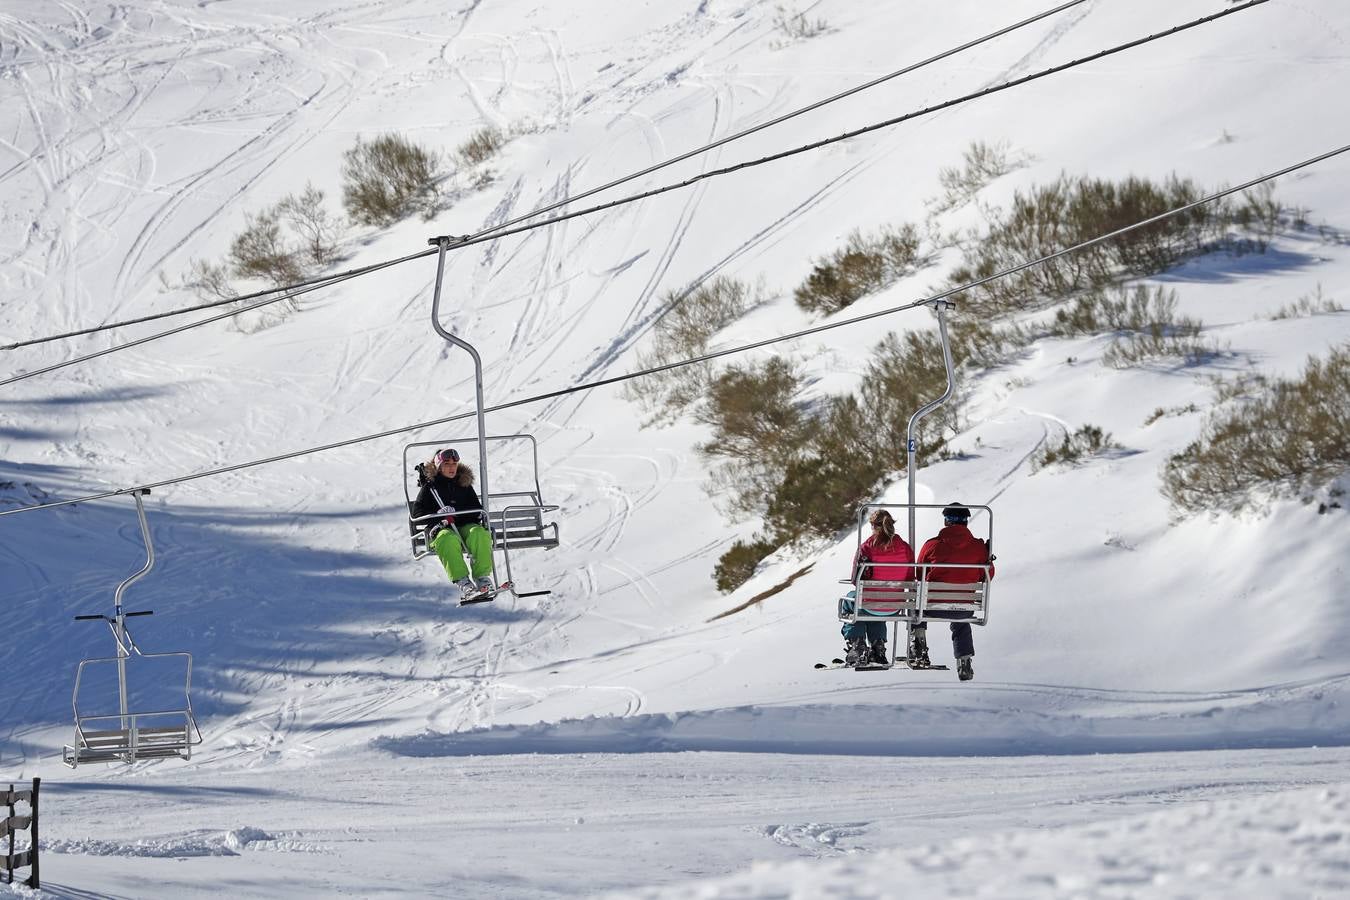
x=451, y=553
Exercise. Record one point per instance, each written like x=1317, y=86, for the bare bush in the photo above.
x=1120, y=309
x=320, y=234
x=210, y=281
x=480, y=147
x=866, y=263
x=261, y=251
x=1088, y=440
x=387, y=179
x=982, y=164
x=1239, y=454
x=1072, y=210
x=1314, y=304
x=692, y=318
x=795, y=26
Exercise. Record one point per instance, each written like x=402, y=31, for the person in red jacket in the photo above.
x=884, y=556
x=953, y=544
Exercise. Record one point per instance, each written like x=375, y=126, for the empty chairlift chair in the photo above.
x=130, y=732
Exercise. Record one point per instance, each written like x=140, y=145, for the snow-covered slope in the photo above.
x=137, y=138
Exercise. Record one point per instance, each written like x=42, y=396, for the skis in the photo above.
x=900, y=662
x=486, y=595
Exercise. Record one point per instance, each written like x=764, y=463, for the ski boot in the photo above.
x=856, y=652
x=917, y=654
x=878, y=655
x=965, y=668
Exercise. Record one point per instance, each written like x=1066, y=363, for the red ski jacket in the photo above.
x=955, y=544
x=885, y=560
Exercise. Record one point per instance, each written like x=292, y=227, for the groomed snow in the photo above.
x=1160, y=707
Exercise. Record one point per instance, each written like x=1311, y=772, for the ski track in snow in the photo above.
x=136, y=141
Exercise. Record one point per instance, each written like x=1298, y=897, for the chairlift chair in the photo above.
x=519, y=523
x=129, y=735
x=515, y=518
x=915, y=601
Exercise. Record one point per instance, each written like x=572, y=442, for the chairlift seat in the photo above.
x=518, y=525
x=173, y=734
x=904, y=599
x=128, y=745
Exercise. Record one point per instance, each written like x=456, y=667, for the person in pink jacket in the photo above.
x=884, y=556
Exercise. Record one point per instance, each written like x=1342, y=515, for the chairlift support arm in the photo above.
x=911, y=442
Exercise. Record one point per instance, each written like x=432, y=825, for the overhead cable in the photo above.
x=454, y=242
x=720, y=142
x=313, y=286
x=716, y=354
x=783, y=118
x=457, y=242
x=285, y=290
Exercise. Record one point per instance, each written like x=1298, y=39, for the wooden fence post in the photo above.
x=14, y=822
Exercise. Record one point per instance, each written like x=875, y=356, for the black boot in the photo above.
x=917, y=655
x=965, y=668
x=856, y=654
x=879, y=656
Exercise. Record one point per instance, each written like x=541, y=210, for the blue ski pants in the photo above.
x=872, y=631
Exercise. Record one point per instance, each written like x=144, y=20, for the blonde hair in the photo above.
x=883, y=524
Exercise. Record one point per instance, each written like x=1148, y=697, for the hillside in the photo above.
x=331, y=668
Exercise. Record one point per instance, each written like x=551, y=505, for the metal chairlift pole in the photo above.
x=911, y=443
x=441, y=243
x=119, y=621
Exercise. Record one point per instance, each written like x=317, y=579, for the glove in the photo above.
x=446, y=511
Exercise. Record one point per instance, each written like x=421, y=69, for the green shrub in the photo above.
x=1088, y=440
x=387, y=179
x=691, y=319
x=758, y=428
x=754, y=413
x=738, y=564
x=1289, y=436
x=865, y=264
x=903, y=374
x=820, y=492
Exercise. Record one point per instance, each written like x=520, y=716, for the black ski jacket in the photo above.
x=458, y=493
